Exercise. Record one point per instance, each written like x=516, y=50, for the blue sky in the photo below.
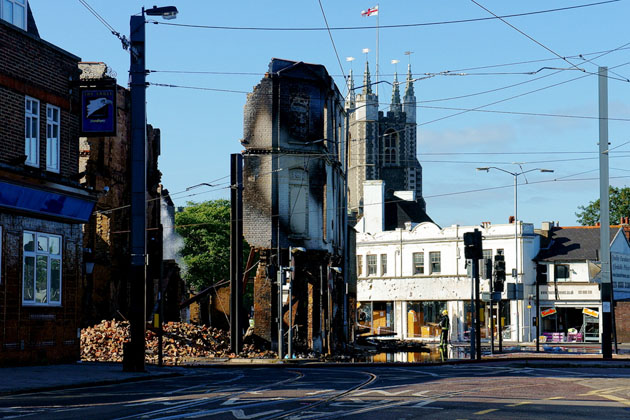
x=200, y=128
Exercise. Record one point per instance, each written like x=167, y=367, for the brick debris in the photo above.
x=183, y=343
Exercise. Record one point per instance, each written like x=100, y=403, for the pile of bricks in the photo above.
x=182, y=343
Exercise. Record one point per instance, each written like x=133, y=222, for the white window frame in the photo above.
x=418, y=266
x=359, y=265
x=31, y=140
x=438, y=260
x=50, y=257
x=53, y=142
x=22, y=4
x=372, y=264
x=383, y=264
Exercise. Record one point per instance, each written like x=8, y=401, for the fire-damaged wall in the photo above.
x=104, y=164
x=294, y=196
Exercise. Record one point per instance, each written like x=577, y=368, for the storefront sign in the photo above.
x=548, y=312
x=570, y=292
x=98, y=112
x=620, y=270
x=590, y=312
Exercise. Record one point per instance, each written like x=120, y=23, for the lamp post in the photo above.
x=515, y=272
x=134, y=352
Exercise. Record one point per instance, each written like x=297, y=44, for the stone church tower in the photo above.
x=383, y=146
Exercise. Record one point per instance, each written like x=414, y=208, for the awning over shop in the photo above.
x=46, y=203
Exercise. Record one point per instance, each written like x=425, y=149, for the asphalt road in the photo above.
x=468, y=391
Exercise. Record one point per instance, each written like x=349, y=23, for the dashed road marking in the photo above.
x=490, y=410
x=554, y=398
x=519, y=403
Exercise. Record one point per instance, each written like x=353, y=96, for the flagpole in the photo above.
x=378, y=8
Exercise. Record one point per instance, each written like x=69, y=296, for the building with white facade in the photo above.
x=569, y=277
x=407, y=276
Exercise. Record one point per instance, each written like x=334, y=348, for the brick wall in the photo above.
x=32, y=67
x=622, y=319
x=39, y=333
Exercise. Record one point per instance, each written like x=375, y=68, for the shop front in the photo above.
x=565, y=322
x=376, y=318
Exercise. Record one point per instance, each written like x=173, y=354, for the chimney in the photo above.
x=374, y=206
x=486, y=225
x=511, y=219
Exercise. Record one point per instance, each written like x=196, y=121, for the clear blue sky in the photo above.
x=200, y=128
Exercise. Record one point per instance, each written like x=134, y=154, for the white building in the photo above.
x=407, y=276
x=570, y=275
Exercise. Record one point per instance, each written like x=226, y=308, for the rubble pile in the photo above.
x=182, y=343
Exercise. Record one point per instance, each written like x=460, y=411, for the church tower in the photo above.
x=383, y=146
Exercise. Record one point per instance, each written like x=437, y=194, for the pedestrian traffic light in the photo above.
x=541, y=273
x=499, y=273
x=472, y=245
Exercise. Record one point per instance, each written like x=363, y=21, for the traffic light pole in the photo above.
x=473, y=311
x=491, y=315
x=477, y=308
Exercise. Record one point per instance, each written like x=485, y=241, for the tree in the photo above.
x=619, y=207
x=205, y=228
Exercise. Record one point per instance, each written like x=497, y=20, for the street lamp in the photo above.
x=134, y=352
x=516, y=175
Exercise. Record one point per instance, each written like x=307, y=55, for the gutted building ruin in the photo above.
x=294, y=196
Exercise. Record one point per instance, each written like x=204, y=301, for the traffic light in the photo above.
x=487, y=268
x=499, y=272
x=472, y=245
x=541, y=273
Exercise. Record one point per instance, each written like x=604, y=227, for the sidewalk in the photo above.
x=26, y=379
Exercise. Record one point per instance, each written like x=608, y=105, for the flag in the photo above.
x=372, y=11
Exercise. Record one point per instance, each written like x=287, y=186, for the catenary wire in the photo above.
x=305, y=29
x=331, y=38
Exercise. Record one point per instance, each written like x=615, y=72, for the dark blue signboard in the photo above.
x=43, y=202
x=98, y=112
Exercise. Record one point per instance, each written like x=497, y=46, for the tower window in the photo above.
x=390, y=147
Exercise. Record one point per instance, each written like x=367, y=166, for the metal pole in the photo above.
x=473, y=340
x=290, y=337
x=518, y=331
x=491, y=313
x=161, y=288
x=604, y=231
x=500, y=328
x=280, y=279
x=537, y=316
x=236, y=253
x=134, y=357
x=477, y=307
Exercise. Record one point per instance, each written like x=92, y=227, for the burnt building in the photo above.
x=105, y=167
x=42, y=206
x=295, y=197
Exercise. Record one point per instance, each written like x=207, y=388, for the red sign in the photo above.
x=548, y=312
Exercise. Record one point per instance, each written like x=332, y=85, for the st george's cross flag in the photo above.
x=372, y=11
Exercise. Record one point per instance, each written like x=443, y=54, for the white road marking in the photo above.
x=240, y=414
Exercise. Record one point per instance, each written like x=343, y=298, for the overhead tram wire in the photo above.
x=408, y=25
x=260, y=74
x=524, y=34
x=123, y=39
x=331, y=38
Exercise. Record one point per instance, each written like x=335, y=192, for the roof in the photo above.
x=574, y=244
x=397, y=213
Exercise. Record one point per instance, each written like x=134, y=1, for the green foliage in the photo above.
x=205, y=228
x=619, y=207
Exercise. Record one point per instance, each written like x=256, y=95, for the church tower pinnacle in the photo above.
x=395, y=105
x=367, y=84
x=350, y=99
x=409, y=100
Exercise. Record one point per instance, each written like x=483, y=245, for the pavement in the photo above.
x=30, y=379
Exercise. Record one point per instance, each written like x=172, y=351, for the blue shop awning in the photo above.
x=46, y=203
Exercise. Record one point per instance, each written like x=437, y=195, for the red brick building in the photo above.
x=42, y=205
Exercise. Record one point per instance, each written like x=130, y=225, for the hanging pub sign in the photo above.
x=548, y=312
x=98, y=112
